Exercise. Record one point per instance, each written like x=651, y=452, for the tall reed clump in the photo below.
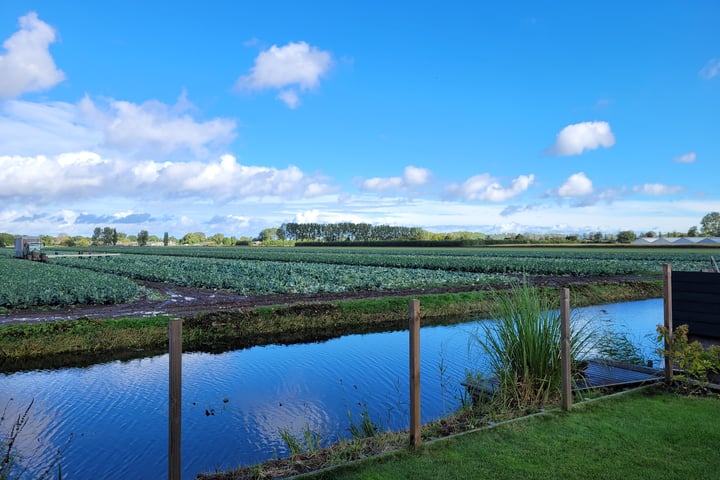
x=522, y=346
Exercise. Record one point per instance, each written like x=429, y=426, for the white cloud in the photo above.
x=576, y=185
x=151, y=128
x=29, y=128
x=290, y=97
x=378, y=184
x=295, y=64
x=711, y=69
x=228, y=179
x=179, y=215
x=486, y=188
x=74, y=175
x=308, y=216
x=575, y=139
x=69, y=175
x=657, y=189
x=238, y=219
x=416, y=176
x=155, y=127
x=124, y=214
x=686, y=158
x=412, y=177
x=26, y=65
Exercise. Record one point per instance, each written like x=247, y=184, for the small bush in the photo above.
x=696, y=363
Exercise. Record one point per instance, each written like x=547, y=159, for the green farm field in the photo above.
x=316, y=271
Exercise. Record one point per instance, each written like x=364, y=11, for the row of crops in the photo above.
x=27, y=284
x=268, y=277
x=75, y=280
x=531, y=261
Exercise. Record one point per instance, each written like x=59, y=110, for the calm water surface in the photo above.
x=110, y=420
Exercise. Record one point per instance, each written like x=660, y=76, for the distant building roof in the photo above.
x=677, y=241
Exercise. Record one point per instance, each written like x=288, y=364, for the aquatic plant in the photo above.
x=11, y=461
x=522, y=346
x=309, y=441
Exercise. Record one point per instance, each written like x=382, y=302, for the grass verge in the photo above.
x=87, y=341
x=644, y=434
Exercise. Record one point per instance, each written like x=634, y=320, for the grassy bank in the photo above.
x=85, y=341
x=646, y=434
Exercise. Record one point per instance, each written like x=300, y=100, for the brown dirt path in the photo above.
x=184, y=301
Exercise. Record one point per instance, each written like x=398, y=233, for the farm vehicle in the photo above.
x=29, y=248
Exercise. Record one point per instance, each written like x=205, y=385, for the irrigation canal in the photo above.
x=110, y=420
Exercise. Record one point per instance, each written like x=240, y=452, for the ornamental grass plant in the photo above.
x=521, y=346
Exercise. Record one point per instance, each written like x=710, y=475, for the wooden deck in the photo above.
x=611, y=374
x=598, y=374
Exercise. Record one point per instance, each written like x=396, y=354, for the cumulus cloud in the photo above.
x=486, y=188
x=308, y=216
x=150, y=129
x=411, y=177
x=416, y=176
x=297, y=65
x=70, y=175
x=577, y=138
x=657, y=189
x=686, y=158
x=154, y=127
x=26, y=64
x=710, y=70
x=227, y=179
x=74, y=175
x=576, y=185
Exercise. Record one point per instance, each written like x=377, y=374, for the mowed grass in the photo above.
x=646, y=434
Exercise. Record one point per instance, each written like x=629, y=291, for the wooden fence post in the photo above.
x=415, y=426
x=565, y=349
x=175, y=393
x=667, y=310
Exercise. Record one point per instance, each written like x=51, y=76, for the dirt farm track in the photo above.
x=185, y=301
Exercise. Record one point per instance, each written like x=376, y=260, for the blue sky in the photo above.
x=231, y=117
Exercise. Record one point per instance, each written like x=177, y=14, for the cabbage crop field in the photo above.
x=263, y=277
x=25, y=284
x=570, y=261
x=70, y=280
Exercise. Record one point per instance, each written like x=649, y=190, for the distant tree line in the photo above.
x=360, y=233
x=104, y=236
x=346, y=231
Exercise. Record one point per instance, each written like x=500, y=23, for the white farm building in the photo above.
x=668, y=241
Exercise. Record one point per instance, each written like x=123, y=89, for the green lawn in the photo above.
x=636, y=436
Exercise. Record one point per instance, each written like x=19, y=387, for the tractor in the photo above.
x=29, y=248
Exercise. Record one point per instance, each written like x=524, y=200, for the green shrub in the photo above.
x=694, y=362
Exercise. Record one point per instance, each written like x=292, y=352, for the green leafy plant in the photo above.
x=522, y=345
x=694, y=362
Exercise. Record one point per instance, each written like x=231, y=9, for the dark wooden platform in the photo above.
x=612, y=374
x=597, y=374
